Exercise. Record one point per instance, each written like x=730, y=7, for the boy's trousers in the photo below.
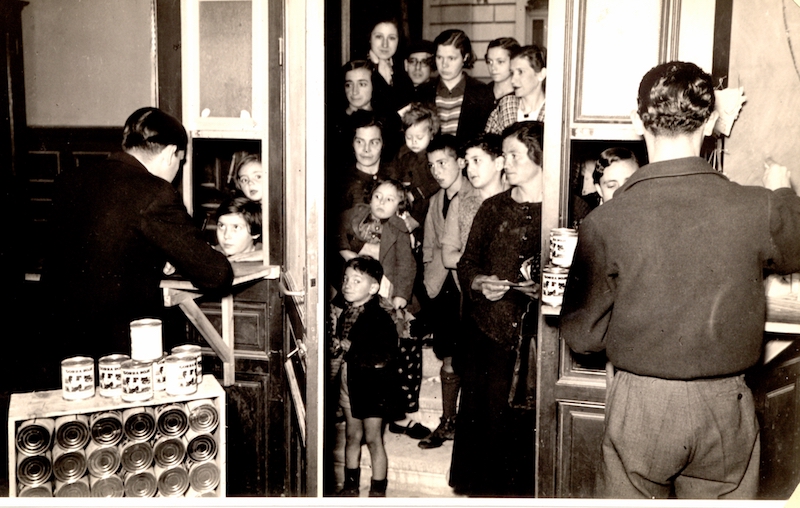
x=695, y=439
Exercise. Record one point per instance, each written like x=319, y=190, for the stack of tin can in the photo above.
x=165, y=450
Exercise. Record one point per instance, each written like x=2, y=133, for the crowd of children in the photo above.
x=412, y=158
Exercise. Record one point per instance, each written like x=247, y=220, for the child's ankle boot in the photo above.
x=378, y=488
x=352, y=481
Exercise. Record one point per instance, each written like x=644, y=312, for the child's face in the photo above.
x=358, y=88
x=499, y=64
x=418, y=136
x=357, y=287
x=367, y=144
x=249, y=178
x=482, y=169
x=614, y=176
x=385, y=201
x=449, y=62
x=444, y=168
x=233, y=234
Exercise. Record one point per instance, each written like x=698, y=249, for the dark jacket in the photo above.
x=114, y=228
x=668, y=276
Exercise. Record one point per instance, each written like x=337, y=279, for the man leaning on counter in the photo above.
x=115, y=226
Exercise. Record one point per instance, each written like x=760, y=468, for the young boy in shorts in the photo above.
x=366, y=336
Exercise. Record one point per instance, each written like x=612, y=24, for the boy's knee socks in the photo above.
x=451, y=383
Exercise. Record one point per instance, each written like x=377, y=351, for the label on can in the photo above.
x=77, y=378
x=160, y=374
x=181, y=374
x=563, y=242
x=137, y=381
x=196, y=352
x=109, y=371
x=554, y=281
x=146, y=343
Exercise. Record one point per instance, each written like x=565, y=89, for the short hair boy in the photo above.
x=611, y=171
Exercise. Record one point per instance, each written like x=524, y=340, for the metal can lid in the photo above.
x=186, y=348
x=77, y=361
x=136, y=364
x=115, y=359
x=144, y=322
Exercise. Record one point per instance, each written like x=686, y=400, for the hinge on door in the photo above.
x=280, y=51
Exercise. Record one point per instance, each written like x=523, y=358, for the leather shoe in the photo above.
x=445, y=431
x=414, y=430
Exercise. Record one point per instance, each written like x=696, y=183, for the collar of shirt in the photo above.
x=459, y=89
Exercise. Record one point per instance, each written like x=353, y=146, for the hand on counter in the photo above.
x=775, y=175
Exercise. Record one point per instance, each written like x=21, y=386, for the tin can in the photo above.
x=146, y=340
x=135, y=456
x=554, y=281
x=72, y=431
x=75, y=488
x=68, y=465
x=563, y=242
x=195, y=351
x=203, y=415
x=77, y=378
x=109, y=371
x=203, y=476
x=106, y=427
x=110, y=486
x=181, y=374
x=200, y=446
x=34, y=470
x=172, y=420
x=139, y=423
x=141, y=484
x=43, y=490
x=137, y=381
x=34, y=436
x=160, y=374
x=172, y=481
x=169, y=451
x=102, y=461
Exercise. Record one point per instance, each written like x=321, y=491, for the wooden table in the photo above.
x=181, y=292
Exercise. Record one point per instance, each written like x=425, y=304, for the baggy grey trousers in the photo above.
x=694, y=439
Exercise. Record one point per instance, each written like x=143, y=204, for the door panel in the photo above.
x=580, y=440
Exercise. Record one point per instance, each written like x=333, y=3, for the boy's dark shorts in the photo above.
x=445, y=319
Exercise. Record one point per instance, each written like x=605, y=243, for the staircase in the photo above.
x=413, y=472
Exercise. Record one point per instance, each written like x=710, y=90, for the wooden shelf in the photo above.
x=51, y=404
